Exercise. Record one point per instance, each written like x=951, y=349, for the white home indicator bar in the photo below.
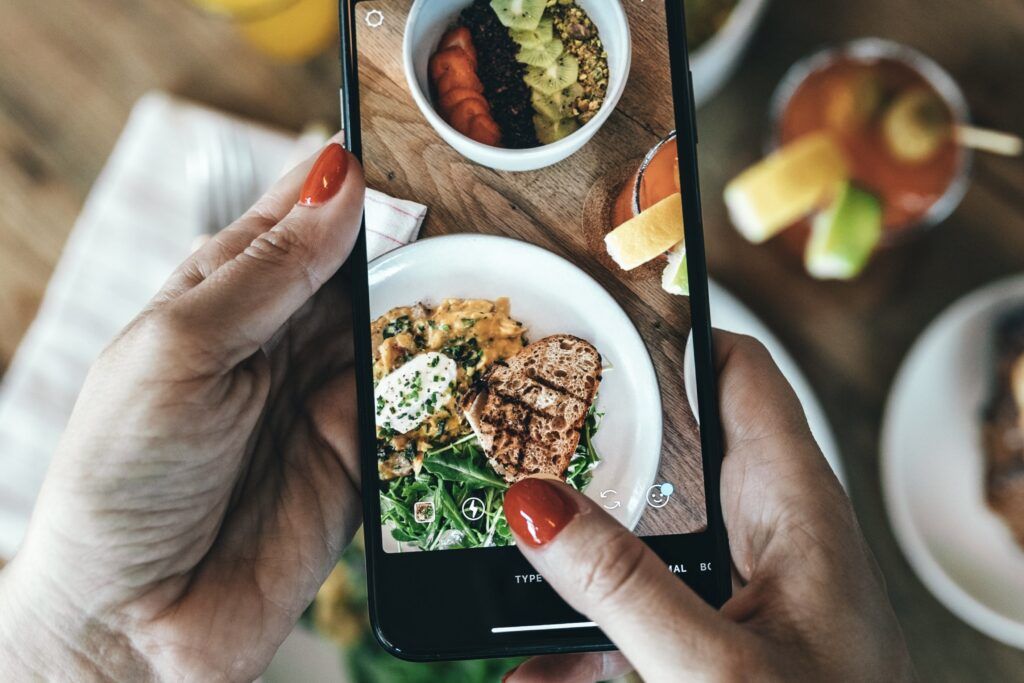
x=543, y=627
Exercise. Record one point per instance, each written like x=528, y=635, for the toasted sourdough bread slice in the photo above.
x=528, y=412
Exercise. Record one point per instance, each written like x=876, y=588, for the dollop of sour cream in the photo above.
x=414, y=392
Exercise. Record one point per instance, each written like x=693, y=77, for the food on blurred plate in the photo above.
x=649, y=235
x=1003, y=427
x=844, y=236
x=528, y=412
x=876, y=122
x=464, y=407
x=704, y=18
x=788, y=185
x=520, y=73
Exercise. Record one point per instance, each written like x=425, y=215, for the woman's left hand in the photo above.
x=208, y=478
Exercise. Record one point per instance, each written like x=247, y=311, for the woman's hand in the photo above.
x=208, y=478
x=810, y=602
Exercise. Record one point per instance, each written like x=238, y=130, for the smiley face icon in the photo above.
x=659, y=495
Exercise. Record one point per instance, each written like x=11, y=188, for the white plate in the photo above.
x=727, y=313
x=549, y=295
x=933, y=467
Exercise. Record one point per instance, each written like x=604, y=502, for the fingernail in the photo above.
x=326, y=177
x=537, y=510
x=504, y=679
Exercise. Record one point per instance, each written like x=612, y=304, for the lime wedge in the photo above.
x=844, y=235
x=675, y=279
x=790, y=184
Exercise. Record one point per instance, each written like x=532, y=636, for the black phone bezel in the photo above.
x=410, y=615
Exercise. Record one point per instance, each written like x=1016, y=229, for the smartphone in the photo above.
x=549, y=318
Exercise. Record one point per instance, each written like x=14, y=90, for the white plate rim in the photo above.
x=934, y=576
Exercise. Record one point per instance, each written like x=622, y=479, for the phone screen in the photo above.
x=538, y=323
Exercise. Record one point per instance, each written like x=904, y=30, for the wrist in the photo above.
x=44, y=636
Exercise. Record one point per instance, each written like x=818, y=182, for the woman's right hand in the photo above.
x=810, y=602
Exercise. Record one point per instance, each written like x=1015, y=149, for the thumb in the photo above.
x=276, y=267
x=605, y=572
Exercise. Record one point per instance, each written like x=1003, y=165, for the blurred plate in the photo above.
x=728, y=313
x=549, y=295
x=933, y=467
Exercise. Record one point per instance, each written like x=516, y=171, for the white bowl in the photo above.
x=715, y=61
x=429, y=19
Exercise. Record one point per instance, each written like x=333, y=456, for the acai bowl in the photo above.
x=517, y=85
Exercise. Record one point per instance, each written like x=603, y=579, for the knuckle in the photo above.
x=609, y=579
x=169, y=338
x=165, y=325
x=263, y=212
x=751, y=348
x=282, y=245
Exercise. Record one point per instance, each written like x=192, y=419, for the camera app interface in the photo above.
x=538, y=323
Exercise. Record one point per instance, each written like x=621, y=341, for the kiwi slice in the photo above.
x=549, y=131
x=519, y=15
x=560, y=74
x=544, y=33
x=559, y=105
x=545, y=55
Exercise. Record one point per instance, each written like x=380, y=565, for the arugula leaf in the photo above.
x=455, y=468
x=457, y=471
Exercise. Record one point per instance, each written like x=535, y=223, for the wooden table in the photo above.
x=70, y=70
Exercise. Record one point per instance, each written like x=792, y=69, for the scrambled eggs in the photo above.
x=472, y=333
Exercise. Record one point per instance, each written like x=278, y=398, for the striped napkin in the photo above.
x=138, y=224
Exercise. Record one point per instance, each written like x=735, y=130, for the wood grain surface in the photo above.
x=71, y=69
x=405, y=157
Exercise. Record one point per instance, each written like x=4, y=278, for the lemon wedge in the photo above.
x=648, y=235
x=844, y=236
x=786, y=186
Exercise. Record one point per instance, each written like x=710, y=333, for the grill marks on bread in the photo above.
x=528, y=412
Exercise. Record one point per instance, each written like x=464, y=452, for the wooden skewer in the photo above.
x=992, y=141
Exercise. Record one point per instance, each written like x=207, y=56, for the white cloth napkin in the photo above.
x=138, y=224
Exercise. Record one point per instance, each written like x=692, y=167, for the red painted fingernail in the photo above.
x=504, y=679
x=537, y=510
x=326, y=177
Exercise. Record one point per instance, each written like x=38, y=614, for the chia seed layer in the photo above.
x=502, y=76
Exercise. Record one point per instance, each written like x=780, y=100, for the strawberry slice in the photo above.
x=458, y=78
x=450, y=59
x=451, y=99
x=460, y=37
x=485, y=130
x=463, y=114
